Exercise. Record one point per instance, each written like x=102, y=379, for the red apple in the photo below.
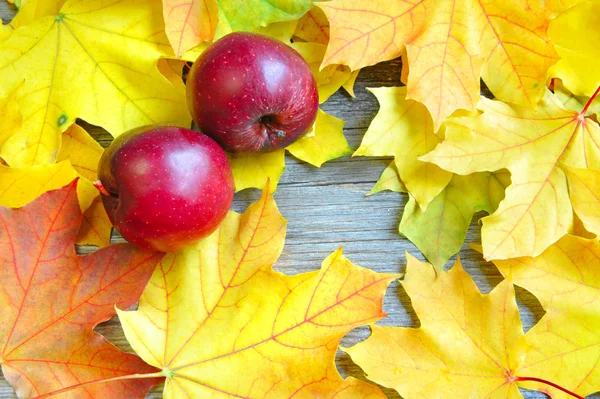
x=252, y=93
x=165, y=188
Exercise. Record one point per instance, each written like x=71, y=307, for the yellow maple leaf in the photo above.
x=389, y=180
x=83, y=152
x=534, y=145
x=349, y=84
x=189, y=22
x=439, y=232
x=4, y=31
x=86, y=194
x=403, y=129
x=95, y=226
x=254, y=170
x=330, y=78
x=220, y=322
x=10, y=123
x=584, y=190
x=469, y=345
x=573, y=102
x=447, y=45
x=310, y=39
x=575, y=35
x=325, y=142
x=172, y=69
x=30, y=10
x=78, y=156
x=439, y=228
x=282, y=31
x=115, y=46
x=472, y=345
x=565, y=342
x=19, y=186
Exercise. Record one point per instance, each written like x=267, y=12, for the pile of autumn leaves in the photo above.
x=216, y=320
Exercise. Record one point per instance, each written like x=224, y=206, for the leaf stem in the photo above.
x=120, y=378
x=592, y=98
x=573, y=394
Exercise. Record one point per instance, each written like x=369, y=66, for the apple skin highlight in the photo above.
x=168, y=187
x=252, y=93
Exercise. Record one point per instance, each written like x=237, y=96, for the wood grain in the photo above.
x=327, y=208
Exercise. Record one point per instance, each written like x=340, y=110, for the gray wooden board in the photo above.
x=327, y=208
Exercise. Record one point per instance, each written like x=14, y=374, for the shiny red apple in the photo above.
x=165, y=188
x=252, y=93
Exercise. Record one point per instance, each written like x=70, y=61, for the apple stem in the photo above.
x=120, y=378
x=592, y=98
x=100, y=187
x=573, y=394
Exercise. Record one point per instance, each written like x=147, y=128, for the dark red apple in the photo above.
x=165, y=188
x=252, y=93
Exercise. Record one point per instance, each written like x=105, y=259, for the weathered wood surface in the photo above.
x=327, y=208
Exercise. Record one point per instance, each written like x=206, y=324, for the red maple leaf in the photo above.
x=51, y=300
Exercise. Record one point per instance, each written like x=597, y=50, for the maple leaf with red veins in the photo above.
x=448, y=45
x=52, y=299
x=187, y=23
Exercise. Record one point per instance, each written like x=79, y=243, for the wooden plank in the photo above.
x=6, y=11
x=327, y=208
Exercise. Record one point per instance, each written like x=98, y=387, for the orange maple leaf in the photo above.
x=51, y=300
x=448, y=45
x=313, y=27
